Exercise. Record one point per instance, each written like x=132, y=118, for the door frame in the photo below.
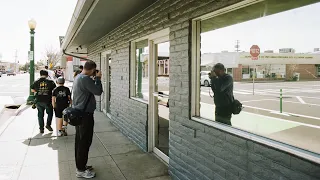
x=105, y=104
x=153, y=41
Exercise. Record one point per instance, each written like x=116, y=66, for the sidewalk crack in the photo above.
x=111, y=156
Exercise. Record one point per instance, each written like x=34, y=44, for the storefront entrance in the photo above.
x=159, y=97
x=106, y=81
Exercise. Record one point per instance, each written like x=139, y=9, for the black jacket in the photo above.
x=222, y=88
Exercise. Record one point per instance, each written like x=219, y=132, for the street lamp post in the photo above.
x=32, y=25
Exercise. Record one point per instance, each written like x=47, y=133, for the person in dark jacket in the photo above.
x=222, y=87
x=43, y=89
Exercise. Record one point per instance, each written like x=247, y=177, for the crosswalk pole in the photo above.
x=280, y=100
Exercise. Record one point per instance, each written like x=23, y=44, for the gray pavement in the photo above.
x=27, y=155
x=299, y=123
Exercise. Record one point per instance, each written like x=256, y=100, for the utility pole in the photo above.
x=237, y=46
x=15, y=61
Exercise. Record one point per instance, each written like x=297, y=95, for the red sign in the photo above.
x=255, y=52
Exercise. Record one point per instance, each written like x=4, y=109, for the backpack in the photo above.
x=236, y=107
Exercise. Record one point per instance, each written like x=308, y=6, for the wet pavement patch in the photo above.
x=12, y=106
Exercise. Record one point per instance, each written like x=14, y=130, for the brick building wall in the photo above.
x=197, y=151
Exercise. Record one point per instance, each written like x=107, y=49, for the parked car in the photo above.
x=204, y=78
x=11, y=73
x=0, y=74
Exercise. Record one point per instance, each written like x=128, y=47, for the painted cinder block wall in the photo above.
x=197, y=151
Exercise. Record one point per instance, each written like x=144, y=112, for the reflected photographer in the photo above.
x=222, y=87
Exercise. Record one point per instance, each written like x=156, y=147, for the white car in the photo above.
x=204, y=78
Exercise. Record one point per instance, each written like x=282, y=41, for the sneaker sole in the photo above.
x=85, y=177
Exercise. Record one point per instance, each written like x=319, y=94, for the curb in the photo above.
x=6, y=124
x=21, y=108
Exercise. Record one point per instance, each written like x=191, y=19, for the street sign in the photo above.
x=255, y=52
x=30, y=55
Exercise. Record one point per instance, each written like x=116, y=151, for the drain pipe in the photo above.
x=64, y=53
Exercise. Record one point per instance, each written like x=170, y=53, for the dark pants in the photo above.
x=223, y=115
x=41, y=106
x=84, y=134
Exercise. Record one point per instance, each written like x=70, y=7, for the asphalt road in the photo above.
x=301, y=100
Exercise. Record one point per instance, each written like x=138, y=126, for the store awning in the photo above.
x=92, y=19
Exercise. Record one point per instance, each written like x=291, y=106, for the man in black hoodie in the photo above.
x=222, y=87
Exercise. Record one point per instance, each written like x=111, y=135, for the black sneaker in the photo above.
x=41, y=131
x=49, y=128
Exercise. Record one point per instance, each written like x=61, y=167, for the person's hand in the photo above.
x=99, y=74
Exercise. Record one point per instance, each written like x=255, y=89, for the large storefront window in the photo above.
x=267, y=48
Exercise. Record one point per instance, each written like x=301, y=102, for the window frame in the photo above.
x=158, y=36
x=195, y=90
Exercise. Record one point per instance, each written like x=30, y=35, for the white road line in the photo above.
x=256, y=100
x=294, y=102
x=300, y=115
x=300, y=99
x=274, y=118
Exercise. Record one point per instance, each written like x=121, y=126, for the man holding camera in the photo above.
x=86, y=85
x=222, y=87
x=43, y=92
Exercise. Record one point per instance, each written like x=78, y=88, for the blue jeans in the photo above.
x=41, y=106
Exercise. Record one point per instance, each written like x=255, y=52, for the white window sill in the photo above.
x=139, y=99
x=263, y=140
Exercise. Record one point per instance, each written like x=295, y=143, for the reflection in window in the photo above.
x=141, y=89
x=288, y=60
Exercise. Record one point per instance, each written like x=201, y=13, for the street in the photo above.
x=297, y=125
x=14, y=90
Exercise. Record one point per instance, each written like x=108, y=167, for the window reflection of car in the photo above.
x=204, y=78
x=10, y=73
x=163, y=99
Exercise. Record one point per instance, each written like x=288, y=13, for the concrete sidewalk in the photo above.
x=27, y=155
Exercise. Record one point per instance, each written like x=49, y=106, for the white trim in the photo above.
x=263, y=140
x=195, y=69
x=160, y=154
x=105, y=103
x=139, y=99
x=104, y=53
x=156, y=35
x=153, y=41
x=151, y=104
x=133, y=69
x=231, y=8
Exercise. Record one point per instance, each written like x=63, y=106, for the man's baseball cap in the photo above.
x=60, y=80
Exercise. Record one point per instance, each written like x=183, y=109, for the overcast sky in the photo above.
x=52, y=16
x=298, y=29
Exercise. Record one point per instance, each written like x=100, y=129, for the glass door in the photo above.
x=160, y=97
x=106, y=83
